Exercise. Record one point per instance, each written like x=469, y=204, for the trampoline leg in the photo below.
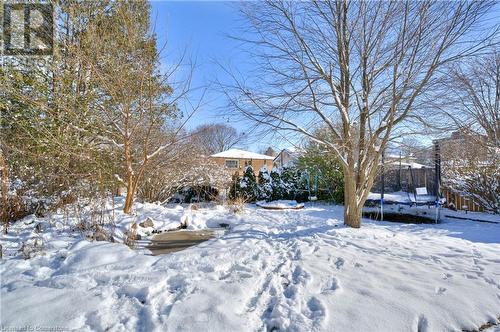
x=437, y=212
x=381, y=209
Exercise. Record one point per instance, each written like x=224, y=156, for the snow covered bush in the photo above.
x=244, y=187
x=290, y=178
x=265, y=187
x=131, y=236
x=481, y=184
x=282, y=183
x=237, y=205
x=277, y=187
x=32, y=247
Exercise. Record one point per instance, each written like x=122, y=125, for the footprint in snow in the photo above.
x=447, y=276
x=316, y=309
x=339, y=263
x=176, y=283
x=330, y=286
x=284, y=280
x=290, y=292
x=422, y=324
x=300, y=275
x=436, y=259
x=440, y=290
x=206, y=268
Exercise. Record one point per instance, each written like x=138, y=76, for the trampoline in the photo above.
x=407, y=184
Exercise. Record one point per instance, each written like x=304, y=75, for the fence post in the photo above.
x=382, y=189
x=437, y=170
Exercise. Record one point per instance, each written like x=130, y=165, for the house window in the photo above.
x=231, y=163
x=248, y=163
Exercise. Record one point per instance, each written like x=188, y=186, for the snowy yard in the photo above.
x=294, y=270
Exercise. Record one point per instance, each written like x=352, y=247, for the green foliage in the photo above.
x=324, y=173
x=279, y=184
x=290, y=183
x=244, y=187
x=248, y=185
x=303, y=185
x=278, y=190
x=235, y=189
x=57, y=126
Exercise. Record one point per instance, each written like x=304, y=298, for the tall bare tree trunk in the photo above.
x=129, y=199
x=4, y=175
x=352, y=212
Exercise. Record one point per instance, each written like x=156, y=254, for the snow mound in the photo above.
x=280, y=204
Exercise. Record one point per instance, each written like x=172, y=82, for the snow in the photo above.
x=401, y=197
x=280, y=204
x=241, y=154
x=289, y=270
x=58, y=229
x=413, y=165
x=490, y=217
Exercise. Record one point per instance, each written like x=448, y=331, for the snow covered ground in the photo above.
x=293, y=270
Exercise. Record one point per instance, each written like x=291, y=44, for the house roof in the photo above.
x=292, y=152
x=241, y=154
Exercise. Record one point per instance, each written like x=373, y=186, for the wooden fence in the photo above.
x=461, y=202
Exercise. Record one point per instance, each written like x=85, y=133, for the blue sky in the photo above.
x=202, y=29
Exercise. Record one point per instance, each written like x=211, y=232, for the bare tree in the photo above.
x=182, y=165
x=471, y=159
x=269, y=151
x=213, y=138
x=138, y=105
x=362, y=69
x=474, y=88
x=472, y=168
x=4, y=187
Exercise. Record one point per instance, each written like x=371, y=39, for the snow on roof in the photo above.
x=241, y=154
x=405, y=164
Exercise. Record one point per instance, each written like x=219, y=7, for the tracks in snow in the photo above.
x=285, y=298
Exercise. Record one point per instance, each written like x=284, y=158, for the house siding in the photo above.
x=256, y=164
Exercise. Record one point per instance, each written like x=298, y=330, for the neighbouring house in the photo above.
x=286, y=157
x=270, y=152
x=235, y=160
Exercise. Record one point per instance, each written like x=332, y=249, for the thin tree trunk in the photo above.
x=352, y=213
x=129, y=199
x=4, y=174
